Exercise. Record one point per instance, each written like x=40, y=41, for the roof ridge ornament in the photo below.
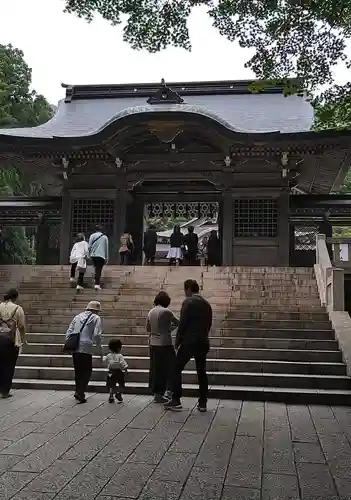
x=165, y=95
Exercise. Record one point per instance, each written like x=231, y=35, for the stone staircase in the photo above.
x=271, y=339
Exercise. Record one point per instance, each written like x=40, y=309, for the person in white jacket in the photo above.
x=78, y=260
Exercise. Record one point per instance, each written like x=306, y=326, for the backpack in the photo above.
x=8, y=328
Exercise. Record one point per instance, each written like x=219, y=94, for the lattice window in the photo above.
x=255, y=218
x=305, y=237
x=86, y=213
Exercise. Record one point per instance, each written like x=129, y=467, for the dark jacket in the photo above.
x=150, y=241
x=176, y=240
x=191, y=240
x=195, y=321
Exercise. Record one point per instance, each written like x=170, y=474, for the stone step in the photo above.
x=231, y=342
x=213, y=364
x=215, y=352
x=215, y=378
x=224, y=332
x=113, y=322
x=248, y=393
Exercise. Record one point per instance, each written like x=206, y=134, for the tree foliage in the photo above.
x=20, y=106
x=304, y=38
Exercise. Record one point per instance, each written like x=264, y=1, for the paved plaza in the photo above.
x=51, y=448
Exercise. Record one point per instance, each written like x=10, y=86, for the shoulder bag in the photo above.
x=72, y=342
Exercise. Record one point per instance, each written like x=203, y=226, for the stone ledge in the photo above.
x=341, y=323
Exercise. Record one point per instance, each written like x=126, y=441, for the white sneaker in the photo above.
x=97, y=287
x=79, y=288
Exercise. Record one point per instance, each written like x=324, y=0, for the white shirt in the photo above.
x=79, y=254
x=115, y=361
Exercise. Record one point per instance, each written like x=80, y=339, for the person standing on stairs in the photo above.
x=159, y=325
x=12, y=337
x=192, y=342
x=191, y=243
x=175, y=253
x=88, y=327
x=98, y=251
x=126, y=248
x=78, y=260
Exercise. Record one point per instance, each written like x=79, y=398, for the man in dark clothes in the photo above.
x=192, y=342
x=326, y=228
x=150, y=241
x=191, y=241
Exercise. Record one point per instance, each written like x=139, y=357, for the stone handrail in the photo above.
x=340, y=243
x=330, y=282
x=330, y=279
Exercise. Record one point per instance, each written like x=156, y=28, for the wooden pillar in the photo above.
x=65, y=232
x=42, y=242
x=120, y=211
x=283, y=229
x=227, y=228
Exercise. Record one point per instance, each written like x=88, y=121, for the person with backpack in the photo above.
x=78, y=261
x=126, y=248
x=98, y=252
x=12, y=337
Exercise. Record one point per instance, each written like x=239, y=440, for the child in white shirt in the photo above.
x=117, y=367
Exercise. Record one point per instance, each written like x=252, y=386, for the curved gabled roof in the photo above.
x=83, y=114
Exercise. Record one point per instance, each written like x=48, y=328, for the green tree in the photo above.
x=20, y=106
x=305, y=38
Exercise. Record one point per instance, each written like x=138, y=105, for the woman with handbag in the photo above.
x=12, y=337
x=126, y=248
x=78, y=261
x=84, y=331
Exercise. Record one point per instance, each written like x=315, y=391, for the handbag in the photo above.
x=72, y=342
x=8, y=328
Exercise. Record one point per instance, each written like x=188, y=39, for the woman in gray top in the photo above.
x=88, y=326
x=159, y=325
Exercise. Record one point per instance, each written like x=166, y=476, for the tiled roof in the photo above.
x=247, y=113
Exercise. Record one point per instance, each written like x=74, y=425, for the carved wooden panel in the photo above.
x=187, y=210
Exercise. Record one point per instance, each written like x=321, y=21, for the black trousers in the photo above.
x=80, y=280
x=150, y=257
x=99, y=263
x=162, y=360
x=124, y=258
x=83, y=366
x=8, y=359
x=191, y=258
x=115, y=377
x=185, y=353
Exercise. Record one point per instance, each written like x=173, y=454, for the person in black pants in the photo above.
x=98, y=251
x=192, y=342
x=87, y=325
x=191, y=242
x=12, y=337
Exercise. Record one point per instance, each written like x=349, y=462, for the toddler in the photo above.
x=117, y=367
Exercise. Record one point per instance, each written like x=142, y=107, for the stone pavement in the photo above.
x=51, y=448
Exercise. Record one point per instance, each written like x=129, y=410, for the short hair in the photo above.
x=98, y=227
x=191, y=229
x=162, y=299
x=80, y=237
x=115, y=345
x=11, y=294
x=191, y=285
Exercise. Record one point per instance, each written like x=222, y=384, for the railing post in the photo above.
x=337, y=289
x=319, y=239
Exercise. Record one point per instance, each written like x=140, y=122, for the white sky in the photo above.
x=62, y=48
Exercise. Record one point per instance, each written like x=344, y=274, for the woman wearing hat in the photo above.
x=87, y=325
